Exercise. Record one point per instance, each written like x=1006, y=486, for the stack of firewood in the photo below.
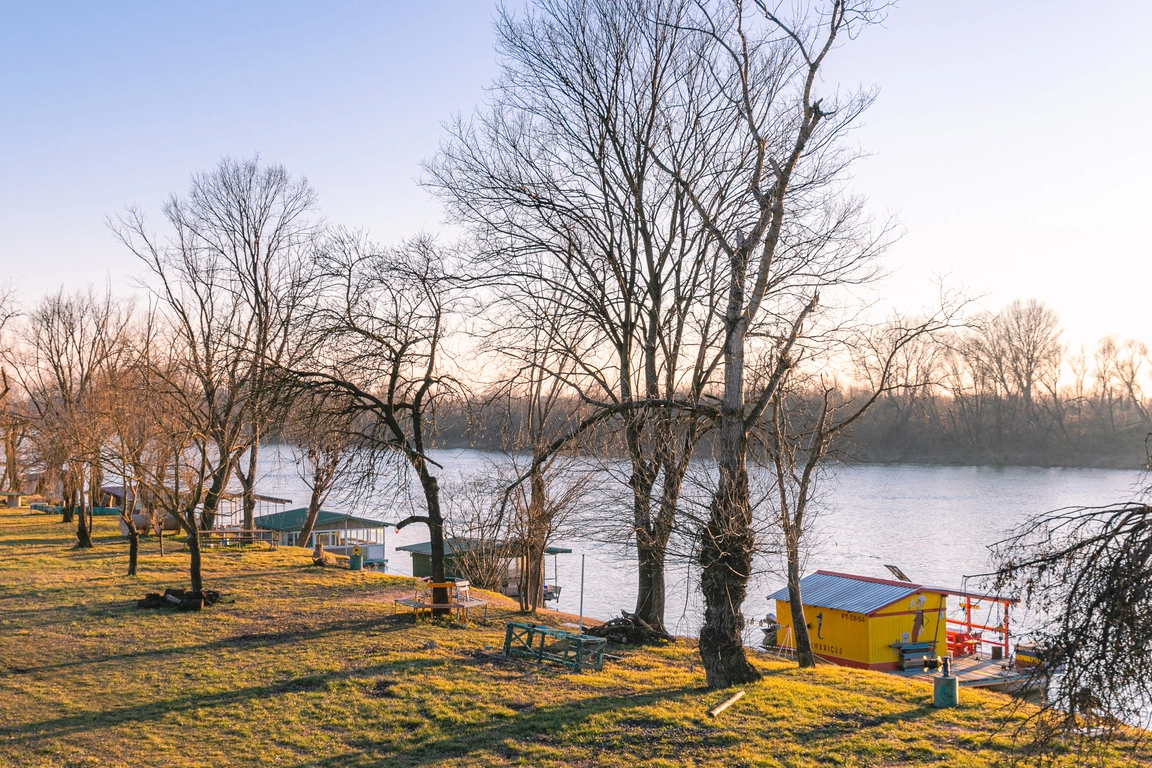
x=180, y=599
x=629, y=629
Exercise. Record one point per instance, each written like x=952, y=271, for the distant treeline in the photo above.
x=1007, y=391
x=1004, y=391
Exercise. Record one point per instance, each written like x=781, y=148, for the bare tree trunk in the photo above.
x=11, y=458
x=248, y=483
x=95, y=483
x=159, y=527
x=651, y=592
x=212, y=497
x=796, y=607
x=652, y=543
x=194, y=559
x=84, y=518
x=532, y=574
x=68, y=500
x=133, y=549
x=431, y=490
x=133, y=535
x=650, y=549
x=310, y=516
x=728, y=543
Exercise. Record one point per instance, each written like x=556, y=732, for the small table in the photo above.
x=534, y=641
x=459, y=599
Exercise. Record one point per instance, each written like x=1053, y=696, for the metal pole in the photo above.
x=581, y=594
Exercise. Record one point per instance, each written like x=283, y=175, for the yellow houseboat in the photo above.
x=859, y=621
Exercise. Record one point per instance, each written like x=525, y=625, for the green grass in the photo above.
x=302, y=666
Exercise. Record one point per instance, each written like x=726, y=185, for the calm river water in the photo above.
x=935, y=523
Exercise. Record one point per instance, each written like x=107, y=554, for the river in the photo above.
x=935, y=523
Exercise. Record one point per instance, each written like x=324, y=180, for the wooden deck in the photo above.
x=977, y=672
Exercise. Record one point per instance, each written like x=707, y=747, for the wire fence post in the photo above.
x=581, y=594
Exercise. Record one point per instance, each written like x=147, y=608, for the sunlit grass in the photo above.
x=302, y=666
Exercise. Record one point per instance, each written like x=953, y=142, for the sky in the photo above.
x=1010, y=139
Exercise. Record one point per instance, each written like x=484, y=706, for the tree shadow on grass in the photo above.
x=491, y=734
x=157, y=711
x=247, y=641
x=835, y=726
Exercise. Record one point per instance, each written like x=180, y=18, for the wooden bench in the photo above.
x=534, y=641
x=459, y=599
x=464, y=600
x=912, y=655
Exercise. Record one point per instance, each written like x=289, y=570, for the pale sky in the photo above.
x=1010, y=137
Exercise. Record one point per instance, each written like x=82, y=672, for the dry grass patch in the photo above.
x=301, y=666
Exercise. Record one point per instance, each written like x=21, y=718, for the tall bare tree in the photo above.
x=539, y=410
x=809, y=416
x=556, y=178
x=228, y=280
x=769, y=191
x=381, y=322
x=68, y=341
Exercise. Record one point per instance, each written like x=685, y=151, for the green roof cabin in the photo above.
x=460, y=548
x=338, y=532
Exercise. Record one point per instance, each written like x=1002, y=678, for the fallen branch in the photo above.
x=629, y=629
x=723, y=706
x=181, y=600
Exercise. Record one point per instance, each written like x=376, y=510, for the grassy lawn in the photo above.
x=301, y=666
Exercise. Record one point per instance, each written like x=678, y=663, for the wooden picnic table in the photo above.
x=536, y=641
x=459, y=598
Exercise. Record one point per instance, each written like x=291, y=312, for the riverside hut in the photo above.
x=461, y=549
x=859, y=621
x=338, y=532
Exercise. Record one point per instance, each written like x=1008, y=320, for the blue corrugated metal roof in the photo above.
x=844, y=593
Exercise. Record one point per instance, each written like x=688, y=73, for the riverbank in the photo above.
x=301, y=666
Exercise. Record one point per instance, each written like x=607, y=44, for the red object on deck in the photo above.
x=961, y=643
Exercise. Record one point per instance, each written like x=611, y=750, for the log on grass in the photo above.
x=716, y=710
x=180, y=599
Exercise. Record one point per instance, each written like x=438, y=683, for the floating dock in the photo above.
x=974, y=672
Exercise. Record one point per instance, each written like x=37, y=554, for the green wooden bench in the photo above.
x=533, y=641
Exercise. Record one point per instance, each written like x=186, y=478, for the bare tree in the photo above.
x=176, y=463
x=322, y=436
x=381, y=324
x=14, y=416
x=229, y=280
x=540, y=413
x=768, y=190
x=127, y=433
x=68, y=341
x=582, y=236
x=14, y=425
x=808, y=417
x=1086, y=573
x=476, y=532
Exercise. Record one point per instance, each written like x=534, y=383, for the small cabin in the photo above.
x=460, y=548
x=859, y=621
x=338, y=532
